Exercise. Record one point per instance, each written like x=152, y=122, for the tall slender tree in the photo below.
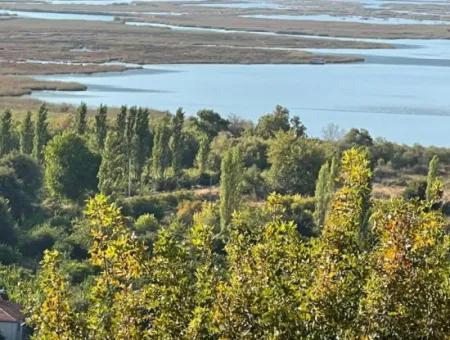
x=160, y=152
x=230, y=185
x=324, y=191
x=141, y=143
x=113, y=175
x=101, y=127
x=338, y=275
x=6, y=140
x=202, y=154
x=81, y=119
x=121, y=121
x=26, y=135
x=131, y=124
x=176, y=141
x=53, y=317
x=434, y=186
x=40, y=134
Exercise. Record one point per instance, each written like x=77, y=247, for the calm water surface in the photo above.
x=408, y=104
x=400, y=94
x=354, y=18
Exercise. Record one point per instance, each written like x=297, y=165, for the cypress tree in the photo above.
x=113, y=175
x=5, y=133
x=101, y=126
x=40, y=134
x=160, y=152
x=176, y=141
x=140, y=142
x=26, y=135
x=81, y=119
x=230, y=185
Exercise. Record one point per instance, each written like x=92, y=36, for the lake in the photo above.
x=407, y=104
x=400, y=94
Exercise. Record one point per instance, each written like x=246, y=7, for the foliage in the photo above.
x=295, y=163
x=210, y=123
x=230, y=185
x=120, y=257
x=141, y=143
x=407, y=291
x=202, y=155
x=7, y=232
x=27, y=172
x=325, y=186
x=70, y=167
x=100, y=127
x=81, y=119
x=52, y=316
x=6, y=140
x=433, y=192
x=160, y=153
x=26, y=135
x=243, y=264
x=41, y=134
x=339, y=258
x=176, y=141
x=112, y=174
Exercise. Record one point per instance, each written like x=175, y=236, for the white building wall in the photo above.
x=10, y=330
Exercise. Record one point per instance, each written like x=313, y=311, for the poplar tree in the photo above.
x=116, y=305
x=101, y=127
x=130, y=124
x=160, y=152
x=321, y=195
x=434, y=185
x=140, y=142
x=339, y=268
x=202, y=154
x=5, y=133
x=324, y=191
x=113, y=175
x=81, y=119
x=176, y=141
x=40, y=134
x=53, y=316
x=230, y=185
x=121, y=122
x=26, y=135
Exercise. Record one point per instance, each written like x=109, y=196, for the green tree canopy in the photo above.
x=41, y=134
x=295, y=163
x=26, y=135
x=70, y=167
x=6, y=138
x=81, y=119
